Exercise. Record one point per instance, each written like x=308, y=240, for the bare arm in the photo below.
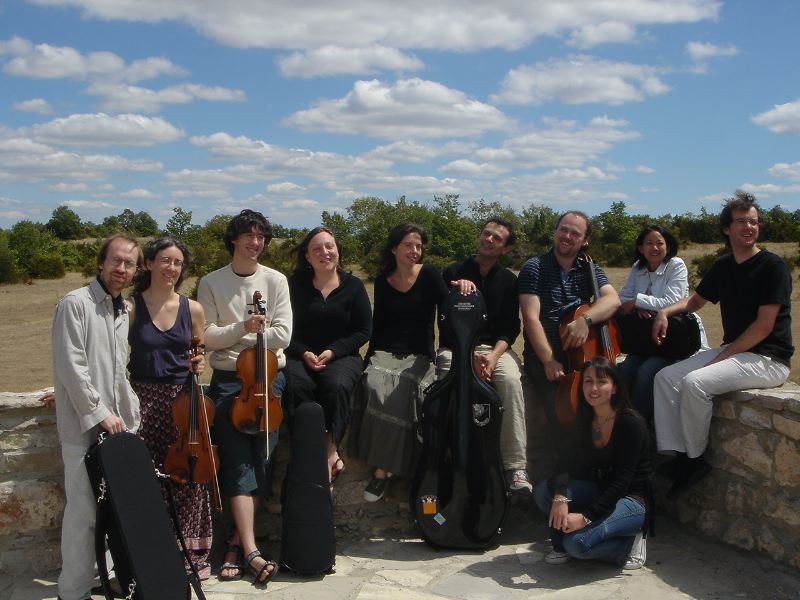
x=578, y=330
x=531, y=307
x=198, y=363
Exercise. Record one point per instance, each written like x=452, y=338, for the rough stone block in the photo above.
x=30, y=505
x=788, y=427
x=787, y=465
x=725, y=409
x=784, y=507
x=31, y=464
x=735, y=498
x=773, y=401
x=741, y=533
x=793, y=405
x=757, y=419
x=711, y=522
x=768, y=543
x=748, y=450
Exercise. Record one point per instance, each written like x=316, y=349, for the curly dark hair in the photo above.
x=142, y=280
x=245, y=222
x=742, y=201
x=387, y=261
x=299, y=252
x=672, y=244
x=512, y=234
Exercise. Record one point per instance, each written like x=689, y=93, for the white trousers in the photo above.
x=683, y=393
x=506, y=379
x=77, y=529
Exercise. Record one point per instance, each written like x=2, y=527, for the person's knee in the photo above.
x=576, y=545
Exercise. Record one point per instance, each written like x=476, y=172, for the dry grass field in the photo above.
x=27, y=312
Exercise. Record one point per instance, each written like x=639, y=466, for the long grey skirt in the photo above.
x=391, y=395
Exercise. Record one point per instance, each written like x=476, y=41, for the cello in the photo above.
x=257, y=409
x=458, y=495
x=603, y=340
x=192, y=458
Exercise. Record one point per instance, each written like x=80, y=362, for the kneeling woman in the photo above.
x=597, y=500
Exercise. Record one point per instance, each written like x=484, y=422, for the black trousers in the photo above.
x=332, y=388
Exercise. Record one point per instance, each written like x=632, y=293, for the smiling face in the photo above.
x=743, y=230
x=119, y=266
x=166, y=266
x=248, y=246
x=409, y=251
x=492, y=241
x=654, y=249
x=570, y=235
x=322, y=253
x=598, y=388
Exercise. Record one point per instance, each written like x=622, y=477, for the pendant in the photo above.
x=596, y=434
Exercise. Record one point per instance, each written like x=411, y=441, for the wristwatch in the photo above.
x=587, y=318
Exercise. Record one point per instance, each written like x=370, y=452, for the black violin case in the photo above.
x=458, y=493
x=308, y=542
x=132, y=519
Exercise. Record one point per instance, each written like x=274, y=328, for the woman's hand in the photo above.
x=558, y=515
x=573, y=522
x=197, y=364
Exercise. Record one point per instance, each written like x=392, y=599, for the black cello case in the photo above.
x=132, y=519
x=458, y=494
x=308, y=542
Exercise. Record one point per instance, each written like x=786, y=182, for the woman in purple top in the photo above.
x=162, y=323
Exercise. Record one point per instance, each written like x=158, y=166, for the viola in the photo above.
x=257, y=409
x=192, y=458
x=458, y=495
x=603, y=340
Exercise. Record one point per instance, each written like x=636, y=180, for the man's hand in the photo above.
x=554, y=370
x=576, y=333
x=465, y=286
x=113, y=424
x=485, y=364
x=627, y=307
x=256, y=324
x=48, y=399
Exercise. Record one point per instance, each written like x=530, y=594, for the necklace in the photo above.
x=597, y=432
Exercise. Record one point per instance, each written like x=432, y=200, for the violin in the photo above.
x=603, y=340
x=257, y=409
x=192, y=458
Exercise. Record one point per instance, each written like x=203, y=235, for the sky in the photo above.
x=298, y=107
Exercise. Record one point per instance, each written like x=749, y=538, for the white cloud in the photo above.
x=785, y=170
x=101, y=130
x=446, y=24
x=766, y=189
x=595, y=34
x=417, y=152
x=68, y=187
x=285, y=187
x=579, y=80
x=138, y=193
x=409, y=109
x=87, y=204
x=119, y=97
x=45, y=61
x=784, y=118
x=34, y=105
x=335, y=60
x=645, y=169
x=470, y=168
x=702, y=51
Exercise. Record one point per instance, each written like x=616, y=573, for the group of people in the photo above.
x=317, y=320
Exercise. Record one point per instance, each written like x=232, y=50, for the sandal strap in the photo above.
x=254, y=554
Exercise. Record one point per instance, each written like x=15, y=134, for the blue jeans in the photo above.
x=609, y=539
x=639, y=373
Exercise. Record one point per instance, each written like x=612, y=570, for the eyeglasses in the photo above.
x=129, y=264
x=166, y=261
x=746, y=221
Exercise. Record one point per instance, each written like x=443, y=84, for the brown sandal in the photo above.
x=239, y=552
x=257, y=572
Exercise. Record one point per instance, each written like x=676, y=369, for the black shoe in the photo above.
x=691, y=473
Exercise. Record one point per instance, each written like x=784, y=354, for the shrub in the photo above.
x=46, y=266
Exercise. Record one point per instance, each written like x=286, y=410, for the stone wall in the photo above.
x=751, y=499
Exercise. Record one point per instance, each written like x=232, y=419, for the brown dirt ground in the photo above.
x=28, y=311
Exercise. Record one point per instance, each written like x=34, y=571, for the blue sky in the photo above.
x=293, y=107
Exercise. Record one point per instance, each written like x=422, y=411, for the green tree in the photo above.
x=65, y=224
x=614, y=236
x=29, y=242
x=179, y=224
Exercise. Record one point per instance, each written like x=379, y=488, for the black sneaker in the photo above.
x=518, y=482
x=375, y=489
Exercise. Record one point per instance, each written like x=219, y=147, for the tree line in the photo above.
x=31, y=250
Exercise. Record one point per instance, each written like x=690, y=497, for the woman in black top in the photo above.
x=400, y=354
x=331, y=321
x=597, y=499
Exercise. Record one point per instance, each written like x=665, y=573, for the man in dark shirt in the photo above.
x=552, y=285
x=494, y=360
x=753, y=288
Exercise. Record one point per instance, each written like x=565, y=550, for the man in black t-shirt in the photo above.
x=494, y=359
x=753, y=287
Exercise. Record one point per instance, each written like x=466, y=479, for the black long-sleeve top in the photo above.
x=499, y=289
x=621, y=467
x=403, y=321
x=342, y=322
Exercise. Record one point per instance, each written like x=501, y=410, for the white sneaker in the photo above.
x=638, y=554
x=557, y=558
